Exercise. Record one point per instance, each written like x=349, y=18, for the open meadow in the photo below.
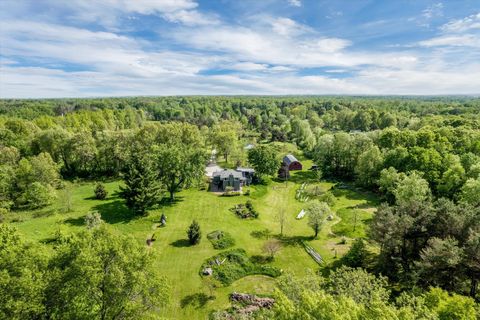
x=181, y=263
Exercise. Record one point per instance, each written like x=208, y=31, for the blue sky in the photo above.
x=85, y=48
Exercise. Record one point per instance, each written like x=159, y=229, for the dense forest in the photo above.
x=420, y=156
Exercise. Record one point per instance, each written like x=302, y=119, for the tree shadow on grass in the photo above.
x=355, y=195
x=294, y=241
x=303, y=176
x=111, y=196
x=166, y=202
x=299, y=177
x=261, y=234
x=197, y=300
x=43, y=213
x=259, y=259
x=115, y=212
x=80, y=221
x=180, y=243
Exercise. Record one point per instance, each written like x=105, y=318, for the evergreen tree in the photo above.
x=142, y=189
x=194, y=233
x=100, y=191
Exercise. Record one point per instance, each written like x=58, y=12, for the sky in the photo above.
x=94, y=48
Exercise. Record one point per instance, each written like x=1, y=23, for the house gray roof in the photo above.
x=289, y=158
x=242, y=169
x=225, y=174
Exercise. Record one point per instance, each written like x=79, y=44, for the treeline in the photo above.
x=268, y=115
x=338, y=296
x=422, y=242
x=448, y=158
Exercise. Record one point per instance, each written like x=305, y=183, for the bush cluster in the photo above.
x=246, y=210
x=234, y=264
x=221, y=239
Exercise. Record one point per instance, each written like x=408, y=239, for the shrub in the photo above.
x=37, y=196
x=93, y=219
x=3, y=213
x=245, y=211
x=229, y=192
x=100, y=191
x=194, y=234
x=329, y=198
x=234, y=264
x=221, y=239
x=358, y=256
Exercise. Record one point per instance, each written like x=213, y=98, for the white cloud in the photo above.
x=295, y=3
x=261, y=46
x=466, y=24
x=432, y=12
x=265, y=55
x=331, y=45
x=100, y=51
x=435, y=10
x=287, y=27
x=457, y=33
x=190, y=18
x=107, y=12
x=42, y=82
x=467, y=40
x=247, y=66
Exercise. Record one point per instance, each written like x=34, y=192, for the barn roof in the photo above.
x=289, y=158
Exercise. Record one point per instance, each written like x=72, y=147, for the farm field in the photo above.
x=181, y=263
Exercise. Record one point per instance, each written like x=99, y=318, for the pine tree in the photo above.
x=100, y=191
x=194, y=233
x=142, y=189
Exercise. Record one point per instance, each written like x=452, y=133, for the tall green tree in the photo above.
x=411, y=190
x=368, y=167
x=22, y=276
x=471, y=192
x=471, y=260
x=388, y=181
x=179, y=166
x=317, y=213
x=439, y=263
x=264, y=159
x=141, y=178
x=224, y=138
x=100, y=275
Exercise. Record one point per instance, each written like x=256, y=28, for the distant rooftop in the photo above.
x=289, y=158
x=225, y=174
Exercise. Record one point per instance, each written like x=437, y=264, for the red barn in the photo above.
x=291, y=163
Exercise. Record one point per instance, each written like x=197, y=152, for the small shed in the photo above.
x=291, y=163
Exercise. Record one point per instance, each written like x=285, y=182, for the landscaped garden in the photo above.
x=192, y=293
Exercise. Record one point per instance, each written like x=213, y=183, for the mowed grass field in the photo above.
x=180, y=263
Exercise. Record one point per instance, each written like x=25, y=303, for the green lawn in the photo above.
x=180, y=262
